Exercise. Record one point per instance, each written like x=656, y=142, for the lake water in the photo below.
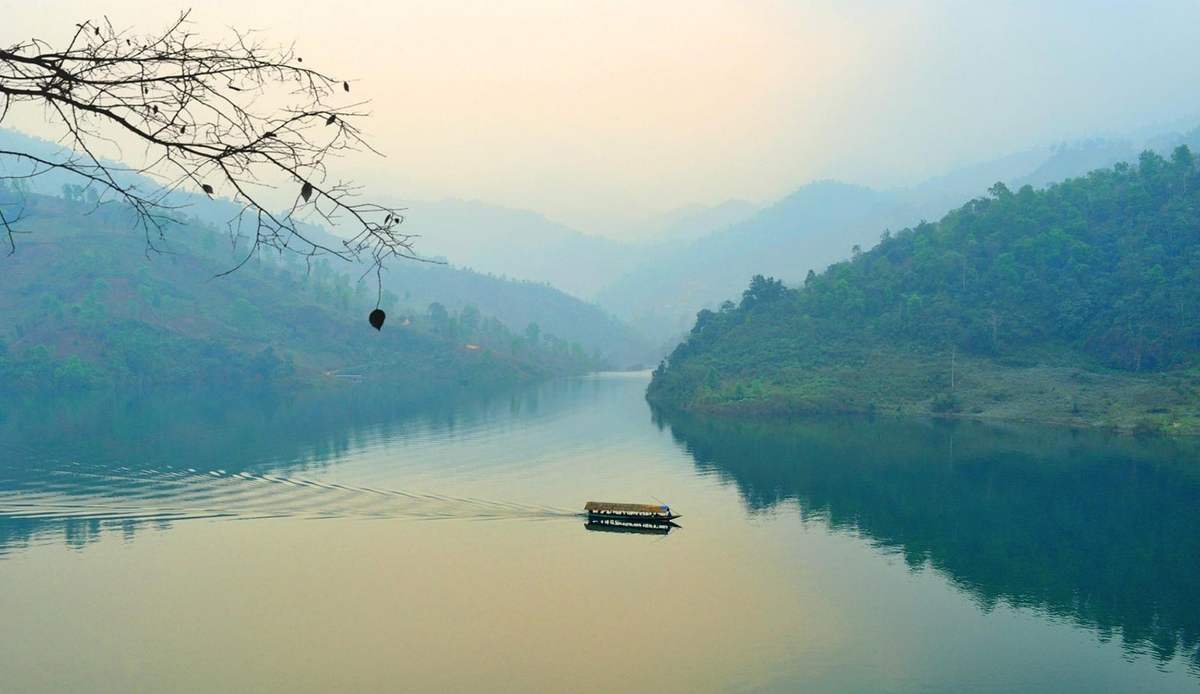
x=342, y=542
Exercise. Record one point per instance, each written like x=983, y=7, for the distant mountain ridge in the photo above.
x=519, y=304
x=821, y=222
x=515, y=243
x=690, y=222
x=700, y=255
x=515, y=303
x=661, y=296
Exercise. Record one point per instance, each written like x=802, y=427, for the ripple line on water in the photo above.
x=70, y=492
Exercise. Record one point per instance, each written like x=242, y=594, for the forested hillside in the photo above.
x=469, y=234
x=85, y=304
x=821, y=222
x=1078, y=302
x=519, y=304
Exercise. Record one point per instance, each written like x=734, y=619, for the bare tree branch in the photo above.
x=197, y=108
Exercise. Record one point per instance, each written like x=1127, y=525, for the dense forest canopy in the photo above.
x=1102, y=270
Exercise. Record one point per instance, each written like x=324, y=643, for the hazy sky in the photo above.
x=600, y=114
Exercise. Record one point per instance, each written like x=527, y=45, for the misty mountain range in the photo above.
x=699, y=256
x=690, y=258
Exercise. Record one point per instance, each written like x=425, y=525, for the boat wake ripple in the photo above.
x=74, y=492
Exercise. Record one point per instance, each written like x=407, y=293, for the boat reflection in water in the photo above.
x=610, y=525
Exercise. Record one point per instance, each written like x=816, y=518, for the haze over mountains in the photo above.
x=691, y=258
x=526, y=245
x=84, y=305
x=699, y=256
x=516, y=243
x=87, y=304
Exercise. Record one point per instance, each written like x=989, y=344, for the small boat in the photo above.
x=644, y=513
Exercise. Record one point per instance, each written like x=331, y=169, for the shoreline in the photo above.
x=1166, y=403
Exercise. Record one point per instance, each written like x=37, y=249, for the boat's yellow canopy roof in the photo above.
x=624, y=508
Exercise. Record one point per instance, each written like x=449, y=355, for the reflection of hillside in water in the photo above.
x=72, y=469
x=1098, y=529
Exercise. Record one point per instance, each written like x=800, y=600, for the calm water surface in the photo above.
x=347, y=543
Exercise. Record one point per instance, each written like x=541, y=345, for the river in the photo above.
x=345, y=541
